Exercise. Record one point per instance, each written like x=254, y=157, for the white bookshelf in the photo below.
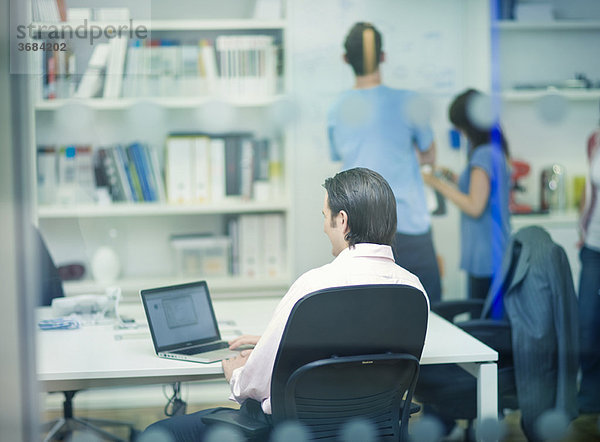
x=150, y=216
x=220, y=287
x=568, y=94
x=551, y=54
x=556, y=25
x=165, y=102
x=168, y=25
x=159, y=209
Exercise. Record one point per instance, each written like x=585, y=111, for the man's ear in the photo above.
x=343, y=220
x=382, y=57
x=345, y=58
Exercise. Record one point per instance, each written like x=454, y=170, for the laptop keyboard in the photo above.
x=202, y=348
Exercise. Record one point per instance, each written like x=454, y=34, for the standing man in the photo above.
x=370, y=126
x=360, y=220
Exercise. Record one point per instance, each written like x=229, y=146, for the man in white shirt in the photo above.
x=360, y=220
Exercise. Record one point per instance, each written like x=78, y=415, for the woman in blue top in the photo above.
x=482, y=194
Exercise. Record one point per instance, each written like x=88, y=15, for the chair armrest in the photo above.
x=496, y=334
x=414, y=407
x=450, y=309
x=249, y=426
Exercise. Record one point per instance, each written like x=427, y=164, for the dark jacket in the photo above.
x=541, y=305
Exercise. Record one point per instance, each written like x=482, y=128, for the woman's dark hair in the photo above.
x=461, y=118
x=363, y=48
x=368, y=200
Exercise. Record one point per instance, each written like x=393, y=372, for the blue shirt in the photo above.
x=484, y=239
x=370, y=128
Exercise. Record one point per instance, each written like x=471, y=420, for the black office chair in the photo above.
x=50, y=286
x=345, y=353
x=529, y=318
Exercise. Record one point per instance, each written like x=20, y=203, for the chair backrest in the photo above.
x=49, y=284
x=383, y=326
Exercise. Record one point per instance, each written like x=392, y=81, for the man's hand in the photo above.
x=428, y=176
x=229, y=365
x=428, y=156
x=243, y=340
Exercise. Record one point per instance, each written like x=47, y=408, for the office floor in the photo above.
x=583, y=429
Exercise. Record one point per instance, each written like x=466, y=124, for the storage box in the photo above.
x=201, y=255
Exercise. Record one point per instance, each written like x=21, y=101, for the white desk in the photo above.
x=91, y=356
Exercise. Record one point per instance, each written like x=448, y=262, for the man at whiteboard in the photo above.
x=380, y=128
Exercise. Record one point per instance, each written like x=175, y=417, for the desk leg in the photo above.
x=487, y=391
x=487, y=388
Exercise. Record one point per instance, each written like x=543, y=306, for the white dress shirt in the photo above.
x=362, y=264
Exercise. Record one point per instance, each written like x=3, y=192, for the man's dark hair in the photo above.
x=363, y=48
x=368, y=200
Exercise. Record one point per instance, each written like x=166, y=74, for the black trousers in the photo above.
x=417, y=255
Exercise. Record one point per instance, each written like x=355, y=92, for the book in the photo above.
x=150, y=175
x=273, y=241
x=250, y=246
x=233, y=163
x=233, y=232
x=247, y=65
x=100, y=176
x=158, y=176
x=192, y=78
x=130, y=173
x=50, y=92
x=48, y=11
x=114, y=68
x=209, y=63
x=217, y=169
x=84, y=162
x=47, y=174
x=92, y=81
x=67, y=175
x=107, y=159
x=138, y=161
x=201, y=173
x=178, y=170
x=246, y=167
x=122, y=181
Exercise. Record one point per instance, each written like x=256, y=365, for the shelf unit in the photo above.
x=159, y=209
x=547, y=52
x=163, y=216
x=568, y=94
x=543, y=132
x=557, y=25
x=232, y=287
x=165, y=102
x=172, y=25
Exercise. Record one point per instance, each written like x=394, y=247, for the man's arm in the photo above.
x=229, y=365
x=427, y=156
x=472, y=203
x=243, y=340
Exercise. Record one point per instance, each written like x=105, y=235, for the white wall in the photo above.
x=435, y=46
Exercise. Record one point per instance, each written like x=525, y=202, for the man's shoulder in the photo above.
x=310, y=277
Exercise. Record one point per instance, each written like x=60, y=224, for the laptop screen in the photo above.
x=180, y=315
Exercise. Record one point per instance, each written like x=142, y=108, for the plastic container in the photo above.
x=201, y=255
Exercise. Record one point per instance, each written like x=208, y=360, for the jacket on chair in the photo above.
x=540, y=303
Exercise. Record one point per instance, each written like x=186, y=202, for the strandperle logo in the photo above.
x=84, y=31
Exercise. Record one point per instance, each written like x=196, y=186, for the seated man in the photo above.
x=360, y=221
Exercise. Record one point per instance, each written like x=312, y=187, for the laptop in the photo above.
x=183, y=325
